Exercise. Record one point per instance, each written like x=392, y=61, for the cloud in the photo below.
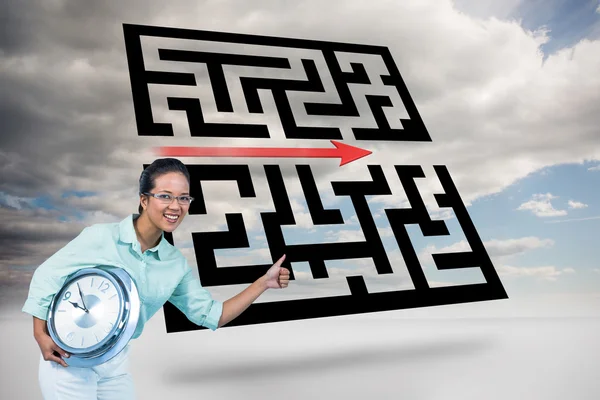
x=488, y=8
x=16, y=278
x=510, y=247
x=497, y=249
x=576, y=204
x=495, y=111
x=345, y=235
x=6, y=200
x=549, y=273
x=540, y=206
x=596, y=168
x=573, y=220
x=30, y=236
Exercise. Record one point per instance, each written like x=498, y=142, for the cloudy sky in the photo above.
x=508, y=90
x=511, y=107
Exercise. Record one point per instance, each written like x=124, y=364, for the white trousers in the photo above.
x=108, y=381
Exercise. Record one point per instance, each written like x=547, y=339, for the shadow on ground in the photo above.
x=356, y=359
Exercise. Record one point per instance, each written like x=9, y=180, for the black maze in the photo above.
x=413, y=128
x=360, y=300
x=315, y=254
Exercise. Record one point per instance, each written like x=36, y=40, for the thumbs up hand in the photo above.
x=277, y=277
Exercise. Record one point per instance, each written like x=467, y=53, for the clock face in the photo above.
x=87, y=311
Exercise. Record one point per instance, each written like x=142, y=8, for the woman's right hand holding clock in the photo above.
x=50, y=351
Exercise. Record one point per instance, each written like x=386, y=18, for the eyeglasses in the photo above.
x=166, y=198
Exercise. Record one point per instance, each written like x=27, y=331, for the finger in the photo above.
x=60, y=351
x=56, y=359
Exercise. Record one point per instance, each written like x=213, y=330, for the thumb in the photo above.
x=280, y=261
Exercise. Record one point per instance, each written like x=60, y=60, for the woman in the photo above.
x=160, y=271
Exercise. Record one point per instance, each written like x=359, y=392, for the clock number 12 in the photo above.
x=103, y=290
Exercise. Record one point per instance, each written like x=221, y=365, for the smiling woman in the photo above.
x=160, y=271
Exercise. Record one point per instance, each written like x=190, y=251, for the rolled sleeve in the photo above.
x=35, y=308
x=45, y=282
x=212, y=319
x=196, y=302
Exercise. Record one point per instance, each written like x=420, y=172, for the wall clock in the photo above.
x=94, y=314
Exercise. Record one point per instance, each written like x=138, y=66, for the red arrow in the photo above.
x=343, y=151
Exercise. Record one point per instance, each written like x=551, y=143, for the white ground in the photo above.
x=392, y=355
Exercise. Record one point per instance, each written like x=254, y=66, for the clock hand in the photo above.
x=77, y=305
x=81, y=295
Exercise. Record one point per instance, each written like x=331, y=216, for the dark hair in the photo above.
x=160, y=167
